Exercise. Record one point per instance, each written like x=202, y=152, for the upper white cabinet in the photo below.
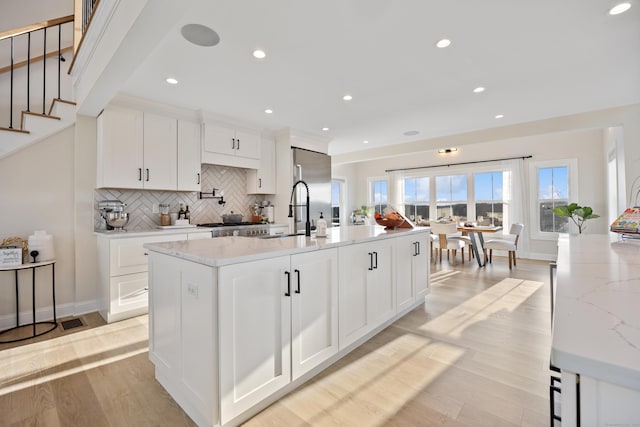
x=263, y=179
x=160, y=148
x=136, y=150
x=120, y=149
x=231, y=146
x=189, y=166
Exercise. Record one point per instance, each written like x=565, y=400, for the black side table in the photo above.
x=33, y=267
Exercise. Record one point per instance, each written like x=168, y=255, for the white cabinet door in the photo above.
x=367, y=290
x=129, y=293
x=189, y=166
x=128, y=256
x=219, y=139
x=160, y=152
x=411, y=257
x=120, y=148
x=255, y=333
x=263, y=180
x=248, y=143
x=314, y=316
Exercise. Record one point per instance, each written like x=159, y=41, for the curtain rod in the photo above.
x=456, y=164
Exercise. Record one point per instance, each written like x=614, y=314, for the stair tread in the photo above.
x=47, y=116
x=14, y=130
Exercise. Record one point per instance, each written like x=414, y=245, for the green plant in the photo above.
x=578, y=214
x=365, y=210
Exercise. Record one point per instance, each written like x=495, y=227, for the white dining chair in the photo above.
x=508, y=243
x=442, y=242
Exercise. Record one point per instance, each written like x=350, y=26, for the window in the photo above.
x=379, y=196
x=416, y=197
x=451, y=196
x=489, y=198
x=553, y=190
x=336, y=201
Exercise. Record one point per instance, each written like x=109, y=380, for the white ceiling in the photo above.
x=536, y=59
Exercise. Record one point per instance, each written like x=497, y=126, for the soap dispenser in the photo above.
x=321, y=227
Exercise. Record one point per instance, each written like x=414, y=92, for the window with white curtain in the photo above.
x=489, y=197
x=451, y=196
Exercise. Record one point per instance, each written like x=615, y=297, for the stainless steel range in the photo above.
x=249, y=229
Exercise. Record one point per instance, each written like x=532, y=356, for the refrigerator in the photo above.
x=314, y=169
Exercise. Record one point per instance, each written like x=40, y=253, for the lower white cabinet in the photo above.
x=367, y=291
x=123, y=273
x=278, y=321
x=411, y=261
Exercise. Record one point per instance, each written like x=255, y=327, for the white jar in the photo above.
x=42, y=242
x=321, y=227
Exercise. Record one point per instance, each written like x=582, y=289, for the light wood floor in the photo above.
x=475, y=355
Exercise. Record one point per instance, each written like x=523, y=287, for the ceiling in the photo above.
x=536, y=59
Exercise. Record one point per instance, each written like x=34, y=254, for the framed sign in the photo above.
x=10, y=256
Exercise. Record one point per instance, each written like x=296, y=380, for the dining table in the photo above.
x=471, y=231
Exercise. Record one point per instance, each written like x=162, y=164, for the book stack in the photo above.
x=628, y=222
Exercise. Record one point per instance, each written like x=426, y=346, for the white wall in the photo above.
x=37, y=194
x=18, y=13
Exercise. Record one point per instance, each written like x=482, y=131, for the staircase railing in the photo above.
x=46, y=27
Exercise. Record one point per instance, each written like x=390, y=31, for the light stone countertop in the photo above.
x=597, y=314
x=117, y=234
x=222, y=251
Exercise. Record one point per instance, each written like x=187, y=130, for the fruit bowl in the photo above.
x=389, y=223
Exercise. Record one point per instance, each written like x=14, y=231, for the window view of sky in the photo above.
x=488, y=186
x=452, y=187
x=553, y=183
x=416, y=190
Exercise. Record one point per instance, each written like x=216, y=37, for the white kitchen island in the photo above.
x=596, y=330
x=237, y=322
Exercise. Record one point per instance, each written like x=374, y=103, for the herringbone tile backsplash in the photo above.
x=140, y=203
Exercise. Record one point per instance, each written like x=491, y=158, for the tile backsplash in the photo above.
x=140, y=203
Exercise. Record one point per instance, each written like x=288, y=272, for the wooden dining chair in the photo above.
x=442, y=230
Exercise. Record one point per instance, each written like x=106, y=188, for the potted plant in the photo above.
x=578, y=214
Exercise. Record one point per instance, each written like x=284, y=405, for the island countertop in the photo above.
x=596, y=328
x=228, y=250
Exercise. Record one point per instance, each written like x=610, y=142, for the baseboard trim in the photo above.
x=46, y=313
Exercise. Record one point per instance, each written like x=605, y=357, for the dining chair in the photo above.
x=508, y=243
x=466, y=239
x=443, y=242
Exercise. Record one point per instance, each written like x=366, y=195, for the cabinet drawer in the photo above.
x=127, y=256
x=129, y=292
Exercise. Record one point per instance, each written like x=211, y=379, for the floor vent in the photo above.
x=72, y=323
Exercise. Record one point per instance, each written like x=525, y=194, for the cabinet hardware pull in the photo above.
x=139, y=174
x=233, y=143
x=198, y=179
x=376, y=255
x=238, y=141
x=370, y=261
x=288, y=293
x=259, y=182
x=415, y=250
x=298, y=273
x=418, y=243
x=147, y=175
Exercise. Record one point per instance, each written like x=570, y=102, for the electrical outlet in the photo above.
x=155, y=208
x=192, y=290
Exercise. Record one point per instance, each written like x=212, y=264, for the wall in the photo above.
x=37, y=194
x=18, y=13
x=586, y=146
x=140, y=203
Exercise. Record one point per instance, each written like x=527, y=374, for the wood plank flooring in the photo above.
x=476, y=354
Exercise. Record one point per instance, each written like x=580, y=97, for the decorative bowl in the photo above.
x=389, y=224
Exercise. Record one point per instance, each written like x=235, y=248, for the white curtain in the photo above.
x=517, y=198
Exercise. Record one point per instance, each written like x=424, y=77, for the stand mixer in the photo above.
x=112, y=211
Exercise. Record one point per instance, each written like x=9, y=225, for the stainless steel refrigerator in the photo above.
x=315, y=169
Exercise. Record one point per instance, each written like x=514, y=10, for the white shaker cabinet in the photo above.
x=189, y=166
x=136, y=150
x=255, y=333
x=411, y=256
x=263, y=179
x=367, y=291
x=231, y=146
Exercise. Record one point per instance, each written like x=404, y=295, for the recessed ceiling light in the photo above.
x=447, y=150
x=325, y=129
x=499, y=116
x=347, y=97
x=619, y=8
x=478, y=89
x=443, y=43
x=268, y=111
x=172, y=81
x=411, y=132
x=259, y=54
x=365, y=142
x=200, y=35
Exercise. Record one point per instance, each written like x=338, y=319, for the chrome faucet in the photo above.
x=307, y=225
